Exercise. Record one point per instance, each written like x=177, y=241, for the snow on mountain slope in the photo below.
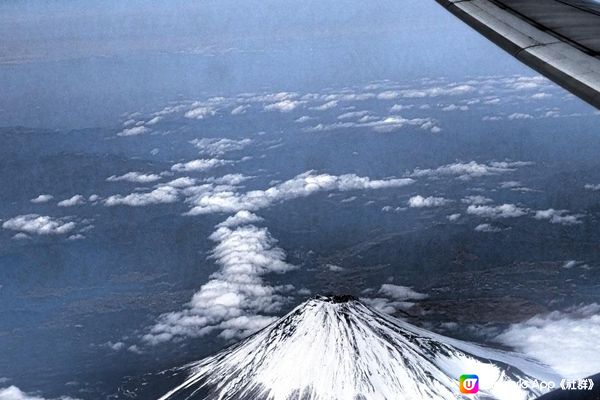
x=335, y=347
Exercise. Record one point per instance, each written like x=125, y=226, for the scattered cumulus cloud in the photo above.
x=284, y=105
x=541, y=95
x=394, y=298
x=136, y=177
x=136, y=130
x=160, y=195
x=201, y=112
x=477, y=200
x=219, y=146
x=153, y=121
x=558, y=216
x=501, y=211
x=242, y=217
x=180, y=183
x=326, y=106
x=240, y=109
x=353, y=115
x=471, y=169
x=199, y=165
x=39, y=225
x=437, y=91
x=42, y=198
x=487, y=228
x=401, y=292
x=454, y=217
x=421, y=202
x=455, y=107
x=334, y=268
x=302, y=119
x=76, y=200
x=516, y=116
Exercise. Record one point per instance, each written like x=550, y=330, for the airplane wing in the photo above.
x=558, y=38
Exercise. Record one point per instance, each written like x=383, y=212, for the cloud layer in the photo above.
x=234, y=299
x=39, y=225
x=567, y=341
x=229, y=201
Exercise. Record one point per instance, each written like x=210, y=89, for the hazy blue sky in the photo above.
x=79, y=64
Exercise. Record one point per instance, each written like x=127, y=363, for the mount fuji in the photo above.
x=337, y=348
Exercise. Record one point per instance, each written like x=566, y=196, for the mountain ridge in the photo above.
x=335, y=347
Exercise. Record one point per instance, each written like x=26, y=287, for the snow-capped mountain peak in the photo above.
x=336, y=347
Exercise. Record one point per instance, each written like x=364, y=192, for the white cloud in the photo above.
x=510, y=184
x=453, y=217
x=383, y=125
x=76, y=200
x=491, y=101
x=334, y=268
x=388, y=95
x=284, y=105
x=229, y=179
x=326, y=106
x=180, y=183
x=541, y=95
x=39, y=224
x=566, y=341
x=302, y=119
x=492, y=118
x=14, y=393
x=454, y=90
x=134, y=176
x=153, y=121
x=136, y=130
x=471, y=169
x=236, y=295
x=455, y=107
x=515, y=116
x=219, y=146
x=242, y=217
x=240, y=110
x=400, y=107
x=401, y=292
x=558, y=216
x=396, y=298
x=42, y=198
x=160, y=195
x=225, y=200
x=502, y=211
x=570, y=264
x=526, y=82
x=201, y=112
x=487, y=228
x=420, y=201
x=199, y=165
x=116, y=346
x=353, y=115
x=477, y=200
